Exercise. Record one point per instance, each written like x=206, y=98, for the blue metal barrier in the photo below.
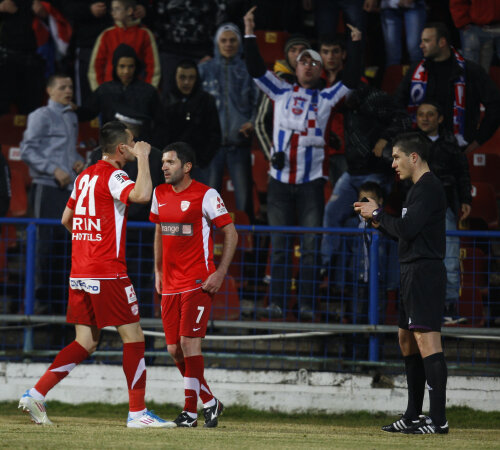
x=342, y=299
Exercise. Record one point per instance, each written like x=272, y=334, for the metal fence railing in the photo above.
x=352, y=297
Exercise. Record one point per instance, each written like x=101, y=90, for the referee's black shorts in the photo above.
x=423, y=292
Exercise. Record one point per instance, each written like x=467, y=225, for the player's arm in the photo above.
x=67, y=219
x=158, y=250
x=213, y=283
x=141, y=193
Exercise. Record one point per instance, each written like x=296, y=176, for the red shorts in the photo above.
x=185, y=314
x=102, y=302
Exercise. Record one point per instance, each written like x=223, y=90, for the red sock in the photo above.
x=194, y=383
x=135, y=372
x=205, y=394
x=65, y=361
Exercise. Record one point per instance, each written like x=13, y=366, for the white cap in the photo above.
x=312, y=53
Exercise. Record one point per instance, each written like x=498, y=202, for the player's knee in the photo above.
x=175, y=352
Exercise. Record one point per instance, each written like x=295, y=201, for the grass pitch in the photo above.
x=92, y=426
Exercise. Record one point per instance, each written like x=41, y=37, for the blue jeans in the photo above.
x=340, y=208
x=451, y=260
x=238, y=163
x=392, y=27
x=326, y=17
x=478, y=44
x=288, y=205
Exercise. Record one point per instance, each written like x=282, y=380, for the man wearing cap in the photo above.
x=285, y=69
x=301, y=112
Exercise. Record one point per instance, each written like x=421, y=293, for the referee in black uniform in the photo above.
x=421, y=234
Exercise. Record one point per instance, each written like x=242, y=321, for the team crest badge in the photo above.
x=185, y=205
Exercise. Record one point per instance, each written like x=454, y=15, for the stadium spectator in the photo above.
x=49, y=148
x=21, y=68
x=185, y=272
x=184, y=30
x=478, y=23
x=101, y=293
x=191, y=116
x=372, y=120
x=450, y=165
x=226, y=78
x=126, y=30
x=295, y=192
x=126, y=94
x=394, y=14
x=460, y=100
x=333, y=55
x=421, y=235
x=285, y=69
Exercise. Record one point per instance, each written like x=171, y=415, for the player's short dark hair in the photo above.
x=441, y=30
x=436, y=105
x=184, y=152
x=413, y=142
x=372, y=186
x=330, y=40
x=52, y=79
x=111, y=134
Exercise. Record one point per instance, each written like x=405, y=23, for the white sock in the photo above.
x=36, y=395
x=209, y=404
x=136, y=414
x=192, y=415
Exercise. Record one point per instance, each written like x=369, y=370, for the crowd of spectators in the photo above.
x=182, y=71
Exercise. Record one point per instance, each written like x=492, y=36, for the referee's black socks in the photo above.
x=436, y=374
x=415, y=378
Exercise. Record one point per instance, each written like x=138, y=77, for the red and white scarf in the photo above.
x=418, y=88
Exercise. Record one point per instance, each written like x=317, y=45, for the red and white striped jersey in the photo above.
x=99, y=201
x=299, y=123
x=185, y=219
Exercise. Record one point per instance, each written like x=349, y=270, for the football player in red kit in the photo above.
x=101, y=293
x=184, y=211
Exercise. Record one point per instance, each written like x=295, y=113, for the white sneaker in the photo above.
x=35, y=408
x=148, y=420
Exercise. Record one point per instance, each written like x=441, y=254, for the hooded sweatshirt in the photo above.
x=234, y=91
x=113, y=96
x=193, y=119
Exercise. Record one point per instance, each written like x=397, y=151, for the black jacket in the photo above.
x=193, y=119
x=86, y=27
x=138, y=97
x=369, y=115
x=450, y=165
x=421, y=229
x=479, y=88
x=16, y=30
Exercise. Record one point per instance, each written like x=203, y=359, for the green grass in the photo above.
x=96, y=425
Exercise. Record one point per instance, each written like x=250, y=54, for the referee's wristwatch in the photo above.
x=376, y=214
